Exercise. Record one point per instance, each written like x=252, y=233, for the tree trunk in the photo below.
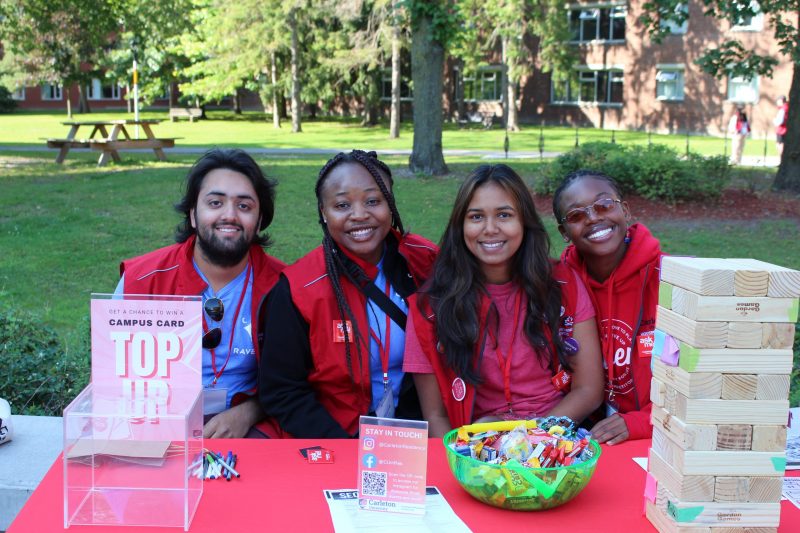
x=427, y=65
x=173, y=94
x=788, y=177
x=512, y=123
x=276, y=116
x=282, y=106
x=69, y=102
x=296, y=104
x=394, y=120
x=237, y=102
x=461, y=107
x=504, y=84
x=83, y=100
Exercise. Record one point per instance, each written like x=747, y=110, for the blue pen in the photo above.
x=225, y=464
x=229, y=459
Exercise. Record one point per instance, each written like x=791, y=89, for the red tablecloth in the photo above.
x=280, y=491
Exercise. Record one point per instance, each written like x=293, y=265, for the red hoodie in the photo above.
x=626, y=305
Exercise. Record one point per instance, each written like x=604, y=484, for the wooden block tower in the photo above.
x=719, y=415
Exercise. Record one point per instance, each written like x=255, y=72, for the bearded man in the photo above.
x=220, y=256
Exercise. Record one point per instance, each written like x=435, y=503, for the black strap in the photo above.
x=385, y=303
x=371, y=291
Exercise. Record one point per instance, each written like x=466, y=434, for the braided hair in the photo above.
x=336, y=264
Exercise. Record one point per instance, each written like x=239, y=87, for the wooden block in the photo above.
x=769, y=438
x=692, y=332
x=750, y=283
x=733, y=308
x=700, y=275
x=783, y=282
x=665, y=524
x=731, y=489
x=688, y=488
x=765, y=489
x=734, y=437
x=745, y=334
x=718, y=463
x=702, y=411
x=744, y=530
x=777, y=335
x=686, y=436
x=665, y=295
x=724, y=514
x=657, y=392
x=739, y=386
x=734, y=361
x=690, y=384
x=772, y=387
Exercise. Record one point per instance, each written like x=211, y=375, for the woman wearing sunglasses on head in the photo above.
x=620, y=264
x=501, y=331
x=334, y=331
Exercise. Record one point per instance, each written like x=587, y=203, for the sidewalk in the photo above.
x=25, y=460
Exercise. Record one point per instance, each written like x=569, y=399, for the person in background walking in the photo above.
x=739, y=128
x=780, y=122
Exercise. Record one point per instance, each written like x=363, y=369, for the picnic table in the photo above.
x=110, y=143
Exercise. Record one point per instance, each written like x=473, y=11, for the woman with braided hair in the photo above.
x=334, y=331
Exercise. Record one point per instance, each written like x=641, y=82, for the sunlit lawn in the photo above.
x=255, y=130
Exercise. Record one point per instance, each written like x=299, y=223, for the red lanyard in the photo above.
x=217, y=375
x=505, y=363
x=383, y=349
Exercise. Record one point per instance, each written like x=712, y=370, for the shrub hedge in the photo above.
x=39, y=374
x=656, y=172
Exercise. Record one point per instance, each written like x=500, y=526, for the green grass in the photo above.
x=255, y=130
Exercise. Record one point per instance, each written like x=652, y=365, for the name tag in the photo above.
x=645, y=343
x=338, y=330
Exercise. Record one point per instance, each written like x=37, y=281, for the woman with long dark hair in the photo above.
x=335, y=323
x=500, y=331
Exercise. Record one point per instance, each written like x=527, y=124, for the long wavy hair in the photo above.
x=337, y=265
x=455, y=288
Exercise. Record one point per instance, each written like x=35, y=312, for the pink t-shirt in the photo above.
x=532, y=392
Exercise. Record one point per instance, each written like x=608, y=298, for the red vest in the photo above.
x=346, y=398
x=458, y=396
x=170, y=270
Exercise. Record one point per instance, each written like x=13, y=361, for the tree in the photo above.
x=57, y=42
x=434, y=24
x=734, y=59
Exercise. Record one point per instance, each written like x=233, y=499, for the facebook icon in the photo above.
x=369, y=460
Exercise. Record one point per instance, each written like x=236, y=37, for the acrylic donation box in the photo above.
x=133, y=436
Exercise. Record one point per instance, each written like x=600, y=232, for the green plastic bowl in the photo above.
x=517, y=487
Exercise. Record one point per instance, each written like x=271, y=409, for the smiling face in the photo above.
x=595, y=235
x=355, y=211
x=226, y=217
x=493, y=231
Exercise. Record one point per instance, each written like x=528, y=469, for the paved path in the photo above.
x=748, y=160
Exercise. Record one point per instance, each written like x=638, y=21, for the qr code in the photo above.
x=373, y=483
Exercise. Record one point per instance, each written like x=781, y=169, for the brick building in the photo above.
x=623, y=80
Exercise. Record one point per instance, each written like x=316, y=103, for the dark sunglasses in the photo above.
x=599, y=208
x=215, y=311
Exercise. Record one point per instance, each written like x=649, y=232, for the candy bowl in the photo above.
x=518, y=487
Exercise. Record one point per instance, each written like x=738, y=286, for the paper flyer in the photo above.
x=392, y=465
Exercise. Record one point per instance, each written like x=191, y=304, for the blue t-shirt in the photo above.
x=397, y=341
x=241, y=372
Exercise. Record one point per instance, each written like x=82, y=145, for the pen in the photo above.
x=230, y=461
x=229, y=467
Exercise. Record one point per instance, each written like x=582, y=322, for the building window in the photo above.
x=749, y=22
x=673, y=27
x=603, y=23
x=386, y=86
x=51, y=92
x=485, y=85
x=743, y=91
x=601, y=87
x=98, y=91
x=669, y=83
x=18, y=94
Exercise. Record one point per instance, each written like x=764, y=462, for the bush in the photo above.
x=39, y=375
x=7, y=104
x=656, y=172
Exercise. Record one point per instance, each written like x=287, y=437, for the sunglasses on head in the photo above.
x=599, y=208
x=215, y=311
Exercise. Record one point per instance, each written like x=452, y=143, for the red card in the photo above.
x=645, y=343
x=338, y=331
x=561, y=380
